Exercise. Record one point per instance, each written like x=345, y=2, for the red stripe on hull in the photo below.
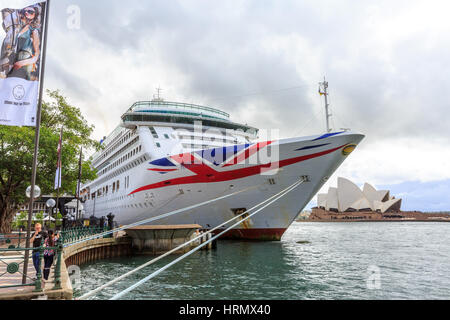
x=205, y=174
x=267, y=234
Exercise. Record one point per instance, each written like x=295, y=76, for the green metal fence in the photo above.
x=13, y=264
x=12, y=256
x=70, y=235
x=13, y=240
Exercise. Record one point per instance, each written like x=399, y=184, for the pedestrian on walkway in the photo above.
x=37, y=240
x=49, y=254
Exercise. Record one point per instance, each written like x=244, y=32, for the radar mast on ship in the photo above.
x=323, y=91
x=157, y=96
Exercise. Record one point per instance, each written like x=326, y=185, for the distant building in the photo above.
x=348, y=197
x=39, y=205
x=304, y=215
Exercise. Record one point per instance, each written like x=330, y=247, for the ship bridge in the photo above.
x=178, y=108
x=178, y=114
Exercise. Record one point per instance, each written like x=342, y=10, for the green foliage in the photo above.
x=17, y=148
x=39, y=217
x=19, y=220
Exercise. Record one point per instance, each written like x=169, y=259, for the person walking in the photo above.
x=49, y=254
x=37, y=240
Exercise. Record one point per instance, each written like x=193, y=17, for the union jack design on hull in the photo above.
x=152, y=176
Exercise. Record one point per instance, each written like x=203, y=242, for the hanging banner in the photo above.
x=20, y=60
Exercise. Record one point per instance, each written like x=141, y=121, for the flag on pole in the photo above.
x=20, y=62
x=58, y=164
x=79, y=174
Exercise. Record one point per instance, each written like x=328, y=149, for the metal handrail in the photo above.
x=179, y=105
x=15, y=236
x=76, y=233
x=14, y=267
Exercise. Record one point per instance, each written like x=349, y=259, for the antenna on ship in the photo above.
x=157, y=96
x=323, y=91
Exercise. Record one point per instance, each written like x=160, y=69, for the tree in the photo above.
x=16, y=155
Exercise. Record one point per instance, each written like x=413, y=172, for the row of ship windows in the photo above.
x=121, y=141
x=125, y=157
x=192, y=137
x=156, y=136
x=197, y=146
x=191, y=146
x=103, y=191
x=125, y=168
x=213, y=139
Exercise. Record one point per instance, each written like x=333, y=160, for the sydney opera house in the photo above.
x=348, y=197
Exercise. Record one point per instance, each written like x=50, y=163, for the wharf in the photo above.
x=139, y=240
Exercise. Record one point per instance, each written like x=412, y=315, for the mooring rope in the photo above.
x=154, y=274
x=162, y=216
x=108, y=284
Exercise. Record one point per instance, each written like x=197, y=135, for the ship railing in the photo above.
x=178, y=105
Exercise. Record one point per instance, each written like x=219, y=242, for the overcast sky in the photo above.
x=387, y=63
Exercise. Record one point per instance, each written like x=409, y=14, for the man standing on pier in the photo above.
x=37, y=240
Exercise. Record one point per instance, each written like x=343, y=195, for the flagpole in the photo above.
x=79, y=182
x=36, y=143
x=58, y=172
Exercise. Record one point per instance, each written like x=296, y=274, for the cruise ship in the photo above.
x=165, y=156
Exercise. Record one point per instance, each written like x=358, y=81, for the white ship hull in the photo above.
x=153, y=190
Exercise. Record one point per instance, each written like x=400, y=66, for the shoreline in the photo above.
x=322, y=215
x=372, y=220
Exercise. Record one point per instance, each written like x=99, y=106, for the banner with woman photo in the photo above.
x=20, y=60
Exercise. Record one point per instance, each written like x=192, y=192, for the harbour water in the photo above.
x=358, y=260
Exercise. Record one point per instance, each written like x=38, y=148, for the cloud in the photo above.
x=387, y=64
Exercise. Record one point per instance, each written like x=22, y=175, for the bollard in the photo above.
x=57, y=285
x=203, y=241
x=209, y=246
x=214, y=244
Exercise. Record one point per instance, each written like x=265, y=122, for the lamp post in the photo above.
x=36, y=194
x=31, y=194
x=50, y=204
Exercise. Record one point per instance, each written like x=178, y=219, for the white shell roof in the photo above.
x=332, y=199
x=348, y=195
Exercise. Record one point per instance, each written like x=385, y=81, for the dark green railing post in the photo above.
x=38, y=282
x=57, y=285
x=18, y=243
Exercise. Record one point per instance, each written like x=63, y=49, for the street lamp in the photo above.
x=37, y=192
x=50, y=204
